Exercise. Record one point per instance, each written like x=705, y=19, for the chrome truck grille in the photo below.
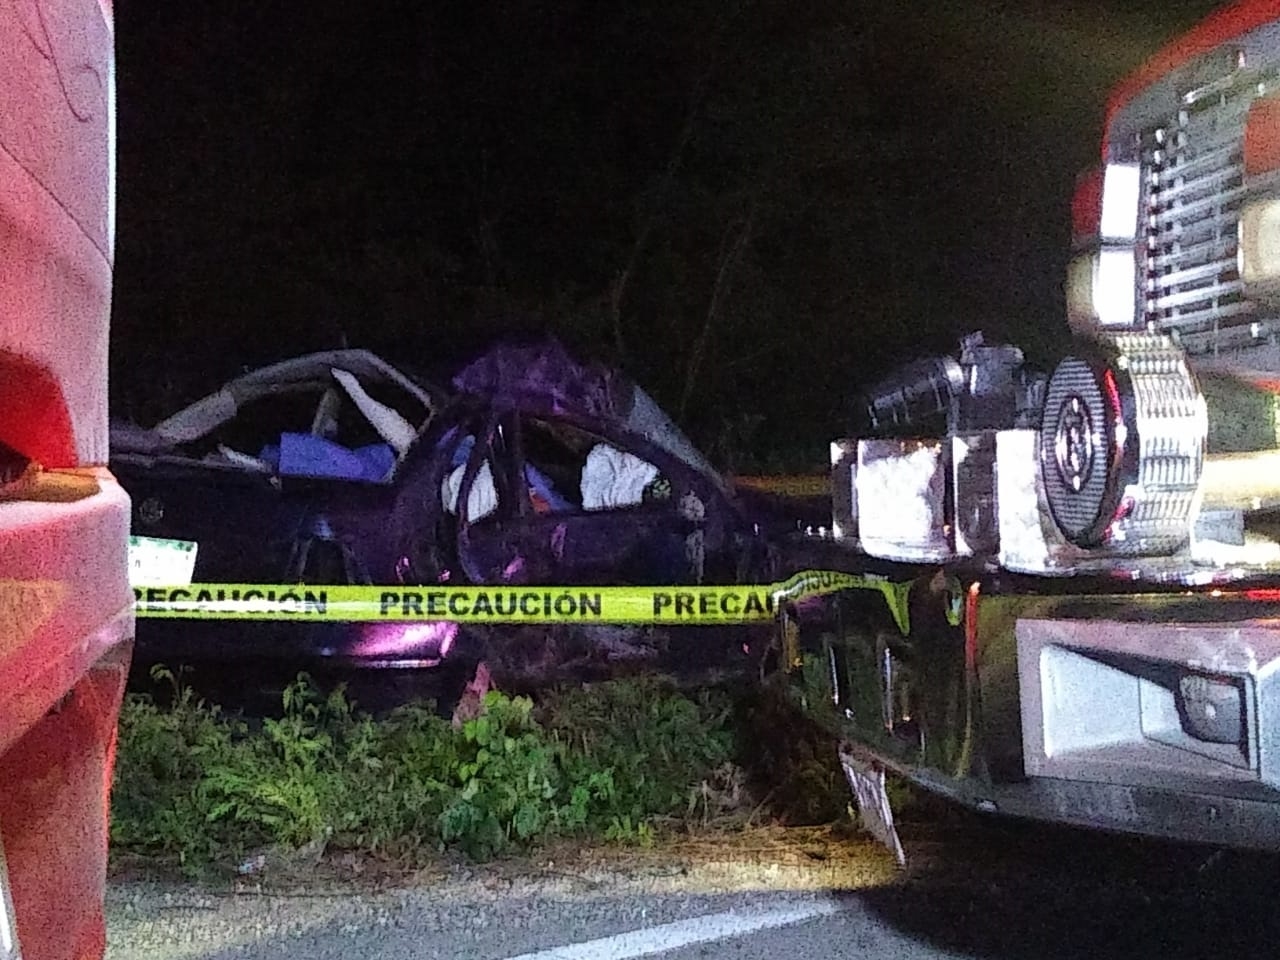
x=1193, y=190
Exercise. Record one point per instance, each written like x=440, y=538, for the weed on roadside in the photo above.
x=201, y=788
x=640, y=748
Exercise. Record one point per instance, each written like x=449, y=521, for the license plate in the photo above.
x=866, y=780
x=155, y=562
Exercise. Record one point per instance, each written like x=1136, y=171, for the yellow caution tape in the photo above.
x=791, y=485
x=527, y=604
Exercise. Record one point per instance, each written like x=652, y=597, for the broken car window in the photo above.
x=584, y=471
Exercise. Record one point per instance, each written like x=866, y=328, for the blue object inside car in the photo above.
x=306, y=455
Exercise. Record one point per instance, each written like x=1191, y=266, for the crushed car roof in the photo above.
x=540, y=377
x=303, y=372
x=544, y=377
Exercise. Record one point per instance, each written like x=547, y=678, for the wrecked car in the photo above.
x=533, y=469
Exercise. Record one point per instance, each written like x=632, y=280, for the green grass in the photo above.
x=614, y=761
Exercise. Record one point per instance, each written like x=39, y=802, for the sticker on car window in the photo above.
x=156, y=562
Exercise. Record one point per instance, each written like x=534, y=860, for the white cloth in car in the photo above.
x=481, y=501
x=613, y=478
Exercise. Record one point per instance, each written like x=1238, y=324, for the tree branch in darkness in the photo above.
x=735, y=241
x=618, y=289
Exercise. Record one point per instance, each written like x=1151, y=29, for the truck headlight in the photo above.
x=1258, y=250
x=1101, y=280
x=1100, y=289
x=1259, y=256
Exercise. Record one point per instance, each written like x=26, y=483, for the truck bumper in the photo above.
x=1164, y=721
x=1175, y=814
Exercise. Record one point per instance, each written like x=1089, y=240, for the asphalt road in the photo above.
x=971, y=889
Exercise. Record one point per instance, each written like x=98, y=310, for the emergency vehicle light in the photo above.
x=1262, y=137
x=1120, y=192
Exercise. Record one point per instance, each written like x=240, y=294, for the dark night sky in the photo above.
x=819, y=190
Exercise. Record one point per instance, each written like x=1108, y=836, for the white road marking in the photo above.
x=684, y=933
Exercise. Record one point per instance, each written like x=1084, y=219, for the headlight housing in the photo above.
x=1101, y=279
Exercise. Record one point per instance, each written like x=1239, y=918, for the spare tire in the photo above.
x=1122, y=446
x=1077, y=449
